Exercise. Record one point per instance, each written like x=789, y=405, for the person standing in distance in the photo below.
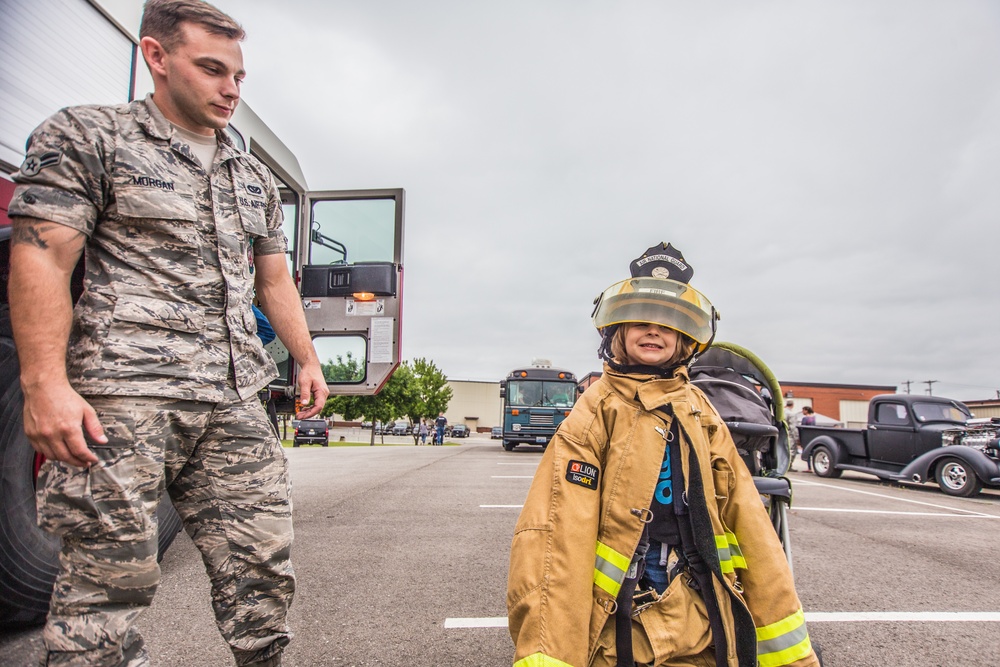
x=792, y=424
x=439, y=424
x=148, y=385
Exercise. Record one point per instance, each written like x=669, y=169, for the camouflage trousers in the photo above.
x=227, y=476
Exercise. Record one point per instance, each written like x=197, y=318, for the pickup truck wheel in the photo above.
x=822, y=463
x=956, y=478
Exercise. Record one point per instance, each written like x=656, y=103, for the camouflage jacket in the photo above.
x=169, y=256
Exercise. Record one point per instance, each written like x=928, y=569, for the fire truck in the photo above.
x=345, y=253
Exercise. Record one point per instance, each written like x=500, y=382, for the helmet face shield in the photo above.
x=668, y=303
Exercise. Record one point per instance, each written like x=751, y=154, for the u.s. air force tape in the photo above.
x=582, y=473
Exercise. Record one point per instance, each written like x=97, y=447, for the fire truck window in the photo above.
x=342, y=358
x=352, y=230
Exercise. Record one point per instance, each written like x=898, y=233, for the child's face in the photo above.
x=650, y=344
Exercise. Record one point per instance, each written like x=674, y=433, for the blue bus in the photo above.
x=536, y=399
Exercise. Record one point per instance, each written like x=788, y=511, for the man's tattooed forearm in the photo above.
x=29, y=233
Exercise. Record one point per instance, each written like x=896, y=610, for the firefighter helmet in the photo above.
x=666, y=302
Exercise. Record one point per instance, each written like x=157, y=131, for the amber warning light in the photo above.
x=363, y=296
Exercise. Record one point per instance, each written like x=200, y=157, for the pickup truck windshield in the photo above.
x=940, y=412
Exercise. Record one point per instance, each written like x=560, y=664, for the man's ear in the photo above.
x=154, y=54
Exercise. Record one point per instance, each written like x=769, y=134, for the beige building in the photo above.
x=985, y=408
x=475, y=404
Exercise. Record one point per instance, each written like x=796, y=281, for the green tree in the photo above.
x=431, y=393
x=395, y=399
x=344, y=369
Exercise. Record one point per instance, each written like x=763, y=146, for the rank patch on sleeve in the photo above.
x=582, y=473
x=34, y=163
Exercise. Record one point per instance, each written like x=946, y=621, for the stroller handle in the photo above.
x=743, y=428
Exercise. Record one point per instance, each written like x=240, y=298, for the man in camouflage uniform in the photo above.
x=149, y=385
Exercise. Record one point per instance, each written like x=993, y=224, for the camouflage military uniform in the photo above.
x=163, y=346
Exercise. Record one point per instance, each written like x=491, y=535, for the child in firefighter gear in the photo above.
x=643, y=540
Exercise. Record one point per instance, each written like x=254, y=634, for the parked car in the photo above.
x=912, y=438
x=496, y=433
x=401, y=427
x=460, y=431
x=311, y=432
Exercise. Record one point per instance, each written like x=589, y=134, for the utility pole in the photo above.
x=907, y=383
x=929, y=384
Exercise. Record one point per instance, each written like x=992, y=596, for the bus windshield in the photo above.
x=540, y=393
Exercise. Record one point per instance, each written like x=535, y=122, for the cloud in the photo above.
x=829, y=168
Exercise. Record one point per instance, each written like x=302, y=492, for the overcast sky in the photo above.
x=831, y=169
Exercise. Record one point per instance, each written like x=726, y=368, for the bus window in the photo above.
x=539, y=393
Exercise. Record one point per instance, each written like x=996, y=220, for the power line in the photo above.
x=930, y=384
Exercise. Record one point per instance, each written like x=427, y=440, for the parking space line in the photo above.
x=811, y=617
x=935, y=514
x=494, y=622
x=883, y=495
x=903, y=617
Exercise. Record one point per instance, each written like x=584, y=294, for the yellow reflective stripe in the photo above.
x=725, y=560
x=783, y=642
x=735, y=551
x=613, y=557
x=611, y=586
x=610, y=568
x=730, y=554
x=540, y=660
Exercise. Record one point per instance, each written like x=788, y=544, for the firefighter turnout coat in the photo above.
x=584, y=517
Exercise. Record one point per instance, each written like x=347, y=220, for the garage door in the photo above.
x=54, y=54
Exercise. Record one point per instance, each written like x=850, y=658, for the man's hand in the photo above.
x=281, y=303
x=312, y=390
x=55, y=420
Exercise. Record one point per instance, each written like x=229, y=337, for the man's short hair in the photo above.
x=162, y=19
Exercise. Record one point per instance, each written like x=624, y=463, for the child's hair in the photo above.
x=685, y=347
x=807, y=410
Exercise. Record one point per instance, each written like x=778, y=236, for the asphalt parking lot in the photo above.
x=401, y=557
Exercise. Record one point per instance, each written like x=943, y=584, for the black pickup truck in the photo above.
x=915, y=439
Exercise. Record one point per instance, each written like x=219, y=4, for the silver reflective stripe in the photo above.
x=610, y=570
x=782, y=642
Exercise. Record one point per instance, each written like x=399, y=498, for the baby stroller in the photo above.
x=748, y=397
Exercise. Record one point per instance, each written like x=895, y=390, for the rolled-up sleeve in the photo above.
x=64, y=176
x=275, y=242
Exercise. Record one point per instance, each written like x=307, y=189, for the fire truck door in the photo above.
x=350, y=276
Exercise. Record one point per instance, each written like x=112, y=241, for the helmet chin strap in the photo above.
x=642, y=369
x=604, y=349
